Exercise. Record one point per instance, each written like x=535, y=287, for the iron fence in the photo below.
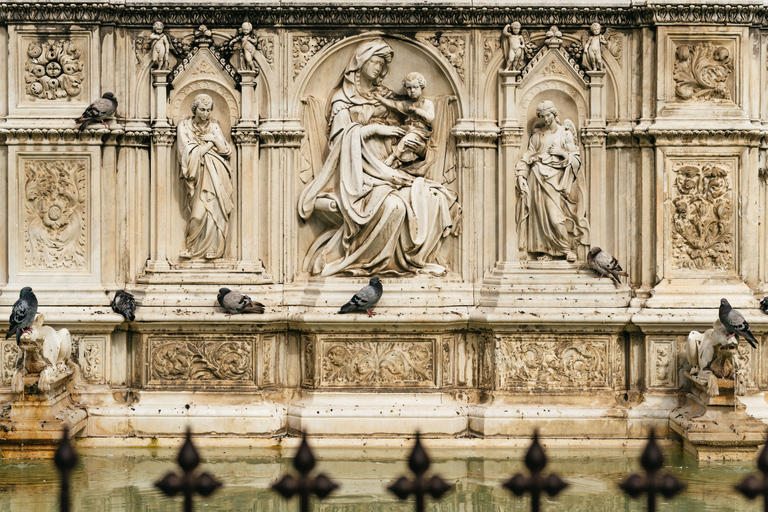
x=190, y=482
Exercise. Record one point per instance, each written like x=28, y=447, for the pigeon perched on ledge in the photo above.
x=605, y=264
x=764, y=305
x=735, y=323
x=99, y=110
x=23, y=313
x=235, y=302
x=124, y=304
x=365, y=299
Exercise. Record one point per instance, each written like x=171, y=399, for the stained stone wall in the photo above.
x=318, y=172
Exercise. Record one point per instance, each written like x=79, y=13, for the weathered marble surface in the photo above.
x=477, y=329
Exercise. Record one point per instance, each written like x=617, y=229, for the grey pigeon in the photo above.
x=764, y=305
x=99, y=110
x=365, y=299
x=605, y=264
x=124, y=304
x=235, y=302
x=23, y=313
x=735, y=323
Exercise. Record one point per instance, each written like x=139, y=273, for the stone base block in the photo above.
x=170, y=414
x=551, y=284
x=717, y=432
x=378, y=414
x=35, y=423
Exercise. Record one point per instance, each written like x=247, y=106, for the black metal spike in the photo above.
x=304, y=462
x=752, y=487
x=65, y=458
x=188, y=457
x=652, y=459
x=419, y=460
x=304, y=486
x=535, y=459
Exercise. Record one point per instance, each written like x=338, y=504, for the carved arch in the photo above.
x=206, y=84
x=578, y=97
x=445, y=67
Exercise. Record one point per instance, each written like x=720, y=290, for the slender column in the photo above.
x=163, y=137
x=509, y=152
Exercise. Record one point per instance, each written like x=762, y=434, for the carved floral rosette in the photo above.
x=216, y=362
x=53, y=70
x=702, y=72
x=55, y=193
x=702, y=216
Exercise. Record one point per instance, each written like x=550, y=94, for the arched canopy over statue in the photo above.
x=378, y=192
x=551, y=210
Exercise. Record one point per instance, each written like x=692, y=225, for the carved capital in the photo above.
x=593, y=139
x=163, y=136
x=618, y=139
x=136, y=138
x=512, y=138
x=475, y=138
x=245, y=135
x=281, y=138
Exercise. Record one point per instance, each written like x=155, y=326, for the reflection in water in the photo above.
x=122, y=480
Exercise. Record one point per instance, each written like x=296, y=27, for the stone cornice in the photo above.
x=21, y=135
x=222, y=13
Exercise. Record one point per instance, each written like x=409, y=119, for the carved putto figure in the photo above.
x=551, y=214
x=419, y=113
x=592, y=58
x=161, y=46
x=248, y=42
x=203, y=152
x=383, y=220
x=514, y=43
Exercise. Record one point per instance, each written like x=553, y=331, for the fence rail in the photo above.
x=189, y=483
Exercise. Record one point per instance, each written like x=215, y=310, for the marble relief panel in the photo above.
x=213, y=361
x=92, y=356
x=556, y=361
x=662, y=362
x=699, y=216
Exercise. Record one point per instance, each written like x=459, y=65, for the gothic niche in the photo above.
x=377, y=189
x=702, y=72
x=55, y=209
x=53, y=70
x=702, y=234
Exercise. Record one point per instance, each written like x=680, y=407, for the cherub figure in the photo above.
x=160, y=45
x=514, y=42
x=592, y=58
x=247, y=47
x=419, y=112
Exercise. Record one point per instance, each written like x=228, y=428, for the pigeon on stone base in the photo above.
x=735, y=323
x=365, y=299
x=23, y=313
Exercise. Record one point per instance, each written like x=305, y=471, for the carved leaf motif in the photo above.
x=92, y=369
x=54, y=70
x=376, y=363
x=662, y=363
x=702, y=237
x=55, y=207
x=306, y=47
x=202, y=360
x=569, y=364
x=452, y=48
x=490, y=46
x=702, y=72
x=10, y=357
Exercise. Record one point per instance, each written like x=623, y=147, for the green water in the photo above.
x=111, y=480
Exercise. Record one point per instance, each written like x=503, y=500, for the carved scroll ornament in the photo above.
x=702, y=72
x=568, y=364
x=55, y=213
x=53, y=70
x=202, y=360
x=702, y=235
x=377, y=363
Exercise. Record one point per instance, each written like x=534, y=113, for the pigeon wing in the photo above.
x=18, y=314
x=740, y=326
x=233, y=302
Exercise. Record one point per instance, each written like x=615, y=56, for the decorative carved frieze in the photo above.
x=556, y=362
x=8, y=358
x=453, y=49
x=396, y=16
x=378, y=363
x=702, y=72
x=706, y=137
x=54, y=70
x=268, y=359
x=216, y=361
x=59, y=135
x=702, y=216
x=308, y=348
x=92, y=357
x=55, y=213
x=306, y=47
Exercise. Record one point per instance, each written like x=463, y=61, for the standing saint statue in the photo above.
x=551, y=211
x=203, y=154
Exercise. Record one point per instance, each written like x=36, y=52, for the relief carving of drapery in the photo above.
x=55, y=213
x=702, y=218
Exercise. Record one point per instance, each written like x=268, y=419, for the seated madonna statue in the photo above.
x=389, y=221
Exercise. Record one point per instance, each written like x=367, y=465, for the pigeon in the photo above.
x=764, y=305
x=235, y=302
x=365, y=299
x=124, y=304
x=605, y=264
x=23, y=313
x=99, y=110
x=735, y=323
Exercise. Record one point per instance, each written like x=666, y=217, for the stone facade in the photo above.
x=319, y=159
